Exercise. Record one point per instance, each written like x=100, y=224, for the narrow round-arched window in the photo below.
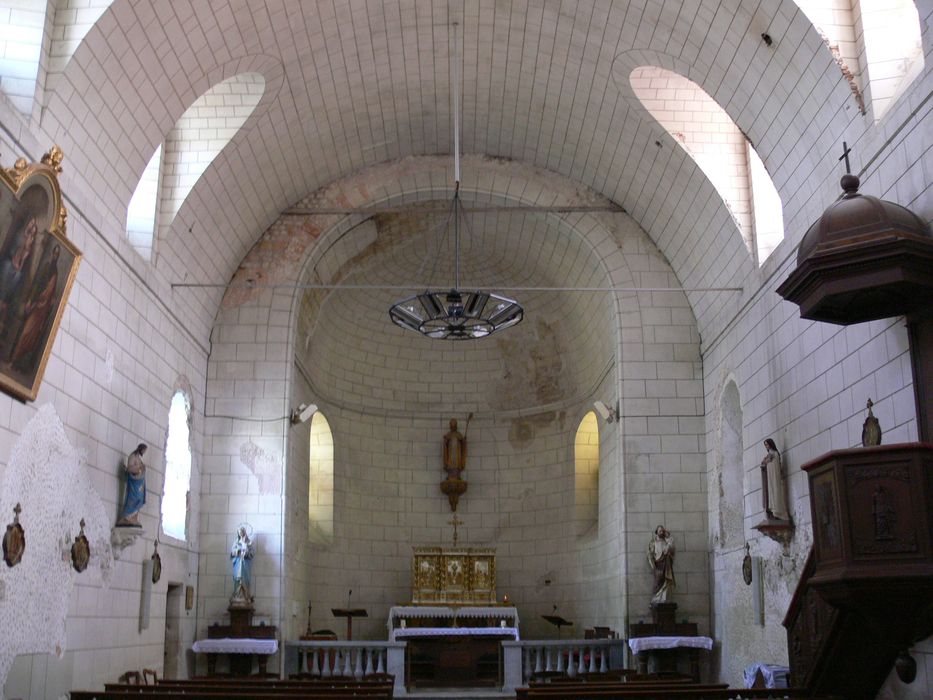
x=321, y=482
x=177, y=468
x=586, y=474
x=732, y=471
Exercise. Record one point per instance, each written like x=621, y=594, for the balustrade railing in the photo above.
x=328, y=659
x=523, y=660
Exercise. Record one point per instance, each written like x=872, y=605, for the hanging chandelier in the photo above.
x=455, y=313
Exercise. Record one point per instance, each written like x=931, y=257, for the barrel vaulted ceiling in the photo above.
x=350, y=84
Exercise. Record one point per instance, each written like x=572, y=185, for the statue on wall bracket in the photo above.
x=777, y=524
x=134, y=497
x=455, y=454
x=241, y=557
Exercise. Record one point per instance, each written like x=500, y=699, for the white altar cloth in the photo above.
x=400, y=634
x=229, y=645
x=639, y=644
x=452, y=611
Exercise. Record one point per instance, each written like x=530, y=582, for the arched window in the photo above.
x=23, y=25
x=708, y=134
x=141, y=213
x=194, y=142
x=321, y=482
x=73, y=20
x=877, y=44
x=177, y=468
x=732, y=471
x=586, y=474
x=892, y=48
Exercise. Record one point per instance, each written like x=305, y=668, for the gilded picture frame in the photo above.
x=38, y=265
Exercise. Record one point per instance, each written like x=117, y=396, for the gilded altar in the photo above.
x=453, y=575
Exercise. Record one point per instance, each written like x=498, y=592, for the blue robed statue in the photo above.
x=241, y=555
x=135, y=496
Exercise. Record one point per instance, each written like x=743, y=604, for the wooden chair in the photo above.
x=147, y=672
x=130, y=678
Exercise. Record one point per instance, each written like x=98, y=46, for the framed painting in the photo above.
x=37, y=268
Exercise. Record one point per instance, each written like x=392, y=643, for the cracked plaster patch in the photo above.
x=266, y=467
x=48, y=477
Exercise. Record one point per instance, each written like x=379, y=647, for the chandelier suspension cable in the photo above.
x=453, y=313
x=456, y=107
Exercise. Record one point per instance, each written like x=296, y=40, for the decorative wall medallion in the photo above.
x=747, y=567
x=80, y=551
x=14, y=541
x=156, y=563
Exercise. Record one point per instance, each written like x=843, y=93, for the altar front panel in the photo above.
x=453, y=575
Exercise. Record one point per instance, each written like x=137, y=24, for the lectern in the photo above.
x=558, y=622
x=349, y=613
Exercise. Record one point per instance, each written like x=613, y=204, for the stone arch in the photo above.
x=653, y=365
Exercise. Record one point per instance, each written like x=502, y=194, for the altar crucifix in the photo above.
x=456, y=522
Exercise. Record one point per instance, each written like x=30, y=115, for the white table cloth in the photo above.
x=452, y=611
x=400, y=634
x=229, y=645
x=639, y=644
x=775, y=675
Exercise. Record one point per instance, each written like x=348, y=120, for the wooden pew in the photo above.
x=281, y=690
x=660, y=692
x=380, y=688
x=235, y=694
x=251, y=681
x=215, y=694
x=553, y=690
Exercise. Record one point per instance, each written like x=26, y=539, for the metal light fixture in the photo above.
x=456, y=314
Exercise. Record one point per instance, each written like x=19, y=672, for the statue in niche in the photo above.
x=661, y=558
x=241, y=554
x=773, y=491
x=135, y=496
x=455, y=449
